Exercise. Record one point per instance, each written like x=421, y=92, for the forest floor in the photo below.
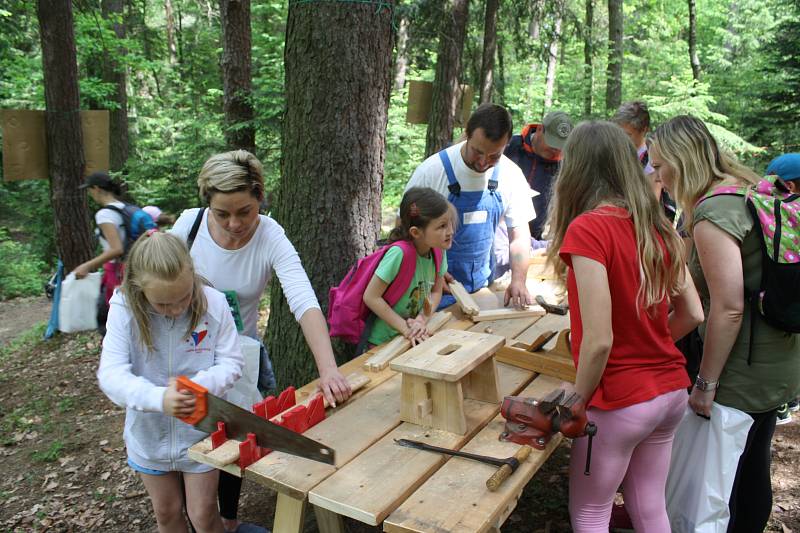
x=63, y=459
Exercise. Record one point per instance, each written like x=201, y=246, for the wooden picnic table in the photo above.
x=376, y=481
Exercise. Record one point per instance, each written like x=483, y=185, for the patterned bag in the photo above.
x=777, y=212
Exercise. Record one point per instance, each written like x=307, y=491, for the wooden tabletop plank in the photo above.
x=373, y=484
x=548, y=322
x=455, y=498
x=508, y=328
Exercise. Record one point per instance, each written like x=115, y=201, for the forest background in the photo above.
x=161, y=66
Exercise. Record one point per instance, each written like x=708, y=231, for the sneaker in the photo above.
x=794, y=405
x=784, y=416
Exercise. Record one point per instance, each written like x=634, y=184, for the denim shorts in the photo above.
x=144, y=470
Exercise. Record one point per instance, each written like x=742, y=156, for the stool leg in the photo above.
x=328, y=521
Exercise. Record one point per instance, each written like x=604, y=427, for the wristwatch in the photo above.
x=703, y=385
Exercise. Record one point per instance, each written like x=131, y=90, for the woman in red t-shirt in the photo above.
x=623, y=266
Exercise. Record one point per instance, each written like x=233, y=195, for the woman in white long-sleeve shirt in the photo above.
x=237, y=250
x=162, y=324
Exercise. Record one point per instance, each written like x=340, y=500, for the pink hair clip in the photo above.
x=413, y=210
x=151, y=231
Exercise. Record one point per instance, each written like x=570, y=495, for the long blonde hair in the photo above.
x=229, y=172
x=696, y=161
x=600, y=167
x=164, y=257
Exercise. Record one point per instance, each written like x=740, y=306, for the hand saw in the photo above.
x=210, y=409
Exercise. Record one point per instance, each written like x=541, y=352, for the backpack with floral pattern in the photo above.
x=777, y=213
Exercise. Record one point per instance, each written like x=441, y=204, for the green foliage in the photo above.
x=21, y=272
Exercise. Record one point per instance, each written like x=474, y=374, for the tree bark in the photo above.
x=552, y=58
x=588, y=58
x=693, y=57
x=115, y=73
x=172, y=49
x=401, y=60
x=236, y=74
x=534, y=25
x=489, y=49
x=446, y=88
x=63, y=132
x=501, y=71
x=338, y=59
x=615, y=51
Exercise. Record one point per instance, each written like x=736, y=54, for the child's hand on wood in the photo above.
x=417, y=330
x=178, y=403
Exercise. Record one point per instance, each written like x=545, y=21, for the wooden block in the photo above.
x=562, y=347
x=449, y=355
x=199, y=452
x=289, y=514
x=226, y=454
x=508, y=312
x=463, y=298
x=349, y=431
x=542, y=362
x=398, y=345
x=481, y=383
x=373, y=484
x=548, y=322
x=445, y=399
x=455, y=498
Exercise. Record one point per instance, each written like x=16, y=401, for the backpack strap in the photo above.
x=195, y=228
x=402, y=281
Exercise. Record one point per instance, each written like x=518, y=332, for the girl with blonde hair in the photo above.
x=166, y=322
x=622, y=264
x=755, y=368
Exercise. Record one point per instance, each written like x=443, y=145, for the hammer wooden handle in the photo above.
x=494, y=482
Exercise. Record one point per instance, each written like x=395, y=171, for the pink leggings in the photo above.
x=632, y=447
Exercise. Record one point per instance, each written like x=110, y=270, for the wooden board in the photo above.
x=508, y=313
x=199, y=452
x=548, y=322
x=508, y=328
x=371, y=486
x=398, y=345
x=547, y=363
x=455, y=498
x=449, y=355
x=464, y=299
x=350, y=431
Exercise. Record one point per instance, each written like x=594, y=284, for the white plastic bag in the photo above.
x=705, y=455
x=77, y=308
x=245, y=391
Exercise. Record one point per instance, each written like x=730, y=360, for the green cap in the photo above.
x=557, y=126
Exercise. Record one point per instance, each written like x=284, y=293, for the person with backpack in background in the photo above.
x=166, y=322
x=748, y=363
x=427, y=223
x=238, y=250
x=119, y=224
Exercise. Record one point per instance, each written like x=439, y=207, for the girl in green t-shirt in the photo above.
x=427, y=220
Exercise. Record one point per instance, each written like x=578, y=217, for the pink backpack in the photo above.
x=347, y=312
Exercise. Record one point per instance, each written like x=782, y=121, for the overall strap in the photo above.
x=453, y=185
x=493, y=180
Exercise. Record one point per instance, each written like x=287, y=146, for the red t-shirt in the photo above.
x=644, y=362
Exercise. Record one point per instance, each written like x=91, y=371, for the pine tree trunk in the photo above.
x=489, y=49
x=63, y=132
x=115, y=73
x=501, y=71
x=169, y=15
x=401, y=60
x=552, y=59
x=236, y=74
x=338, y=61
x=446, y=88
x=588, y=57
x=534, y=25
x=693, y=57
x=615, y=51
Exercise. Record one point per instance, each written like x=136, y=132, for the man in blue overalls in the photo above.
x=484, y=186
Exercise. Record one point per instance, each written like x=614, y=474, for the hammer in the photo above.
x=507, y=465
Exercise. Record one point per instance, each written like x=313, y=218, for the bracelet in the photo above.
x=704, y=385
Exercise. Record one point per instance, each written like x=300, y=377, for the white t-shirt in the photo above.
x=248, y=269
x=512, y=186
x=109, y=216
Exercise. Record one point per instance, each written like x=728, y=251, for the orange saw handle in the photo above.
x=201, y=401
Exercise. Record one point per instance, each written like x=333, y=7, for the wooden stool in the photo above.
x=439, y=373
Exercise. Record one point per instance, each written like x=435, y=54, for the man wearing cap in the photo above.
x=485, y=187
x=537, y=152
x=787, y=168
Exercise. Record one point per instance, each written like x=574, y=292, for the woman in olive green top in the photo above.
x=726, y=265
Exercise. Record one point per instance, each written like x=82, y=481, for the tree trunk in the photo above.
x=446, y=89
x=552, y=59
x=338, y=59
x=115, y=73
x=401, y=60
x=501, y=71
x=534, y=26
x=588, y=57
x=615, y=50
x=693, y=58
x=63, y=132
x=236, y=77
x=489, y=49
x=172, y=49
